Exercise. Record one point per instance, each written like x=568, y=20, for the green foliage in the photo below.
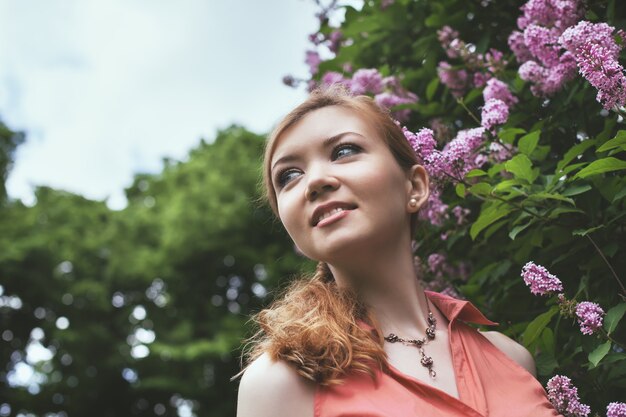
x=189, y=258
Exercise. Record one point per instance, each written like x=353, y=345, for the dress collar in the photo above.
x=452, y=308
x=455, y=309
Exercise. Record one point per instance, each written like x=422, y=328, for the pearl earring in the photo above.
x=413, y=202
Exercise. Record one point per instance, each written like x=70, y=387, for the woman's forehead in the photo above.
x=319, y=125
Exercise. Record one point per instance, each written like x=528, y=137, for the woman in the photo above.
x=361, y=337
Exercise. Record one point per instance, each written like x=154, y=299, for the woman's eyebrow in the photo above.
x=326, y=143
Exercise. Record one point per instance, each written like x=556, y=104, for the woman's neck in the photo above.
x=388, y=285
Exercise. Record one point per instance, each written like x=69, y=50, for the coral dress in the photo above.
x=488, y=382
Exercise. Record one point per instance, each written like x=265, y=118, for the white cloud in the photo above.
x=105, y=89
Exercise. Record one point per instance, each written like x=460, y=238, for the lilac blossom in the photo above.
x=543, y=44
x=499, y=153
x=564, y=397
x=500, y=90
x=423, y=142
x=334, y=40
x=616, y=409
x=389, y=100
x=494, y=61
x=435, y=211
x=456, y=158
x=540, y=281
x=518, y=46
x=480, y=79
x=461, y=214
x=446, y=35
x=589, y=317
x=495, y=112
x=537, y=46
x=550, y=13
x=596, y=53
x=455, y=80
x=367, y=81
x=436, y=262
x=333, y=77
x=313, y=60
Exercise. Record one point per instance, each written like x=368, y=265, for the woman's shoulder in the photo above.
x=512, y=349
x=274, y=388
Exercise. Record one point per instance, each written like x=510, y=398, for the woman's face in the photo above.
x=339, y=189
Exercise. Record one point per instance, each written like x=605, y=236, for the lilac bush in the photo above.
x=524, y=163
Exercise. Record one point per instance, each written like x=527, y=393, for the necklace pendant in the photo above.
x=430, y=332
x=427, y=361
x=392, y=338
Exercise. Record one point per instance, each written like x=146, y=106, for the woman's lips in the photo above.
x=335, y=216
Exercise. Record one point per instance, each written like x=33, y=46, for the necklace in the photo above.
x=426, y=361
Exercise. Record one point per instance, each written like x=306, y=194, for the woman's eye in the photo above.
x=287, y=176
x=344, y=150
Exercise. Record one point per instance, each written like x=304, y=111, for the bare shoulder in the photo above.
x=274, y=388
x=512, y=349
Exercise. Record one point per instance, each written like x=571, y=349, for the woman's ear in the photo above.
x=417, y=190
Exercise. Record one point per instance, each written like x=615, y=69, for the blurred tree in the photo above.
x=145, y=306
x=9, y=141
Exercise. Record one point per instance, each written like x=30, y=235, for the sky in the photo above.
x=105, y=89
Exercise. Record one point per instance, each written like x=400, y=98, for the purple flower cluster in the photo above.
x=499, y=90
x=457, y=157
x=616, y=410
x=452, y=162
x=313, y=60
x=436, y=263
x=387, y=91
x=536, y=44
x=540, y=281
x=476, y=68
x=495, y=112
x=366, y=80
x=589, y=317
x=564, y=397
x=596, y=53
x=457, y=80
x=435, y=210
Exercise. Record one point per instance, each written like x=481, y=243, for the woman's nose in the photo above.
x=320, y=181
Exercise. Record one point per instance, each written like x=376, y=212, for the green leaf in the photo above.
x=546, y=363
x=543, y=195
x=528, y=143
x=598, y=353
x=517, y=229
x=619, y=195
x=506, y=185
x=536, y=326
x=584, y=232
x=475, y=173
x=509, y=135
x=521, y=167
x=619, y=141
x=488, y=216
x=481, y=188
x=572, y=153
x=460, y=190
x=547, y=340
x=563, y=210
x=576, y=189
x=613, y=316
x=431, y=89
x=495, y=170
x=601, y=166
